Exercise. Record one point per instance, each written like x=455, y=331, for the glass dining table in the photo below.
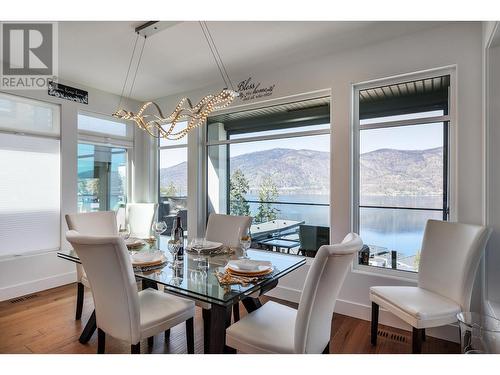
x=198, y=281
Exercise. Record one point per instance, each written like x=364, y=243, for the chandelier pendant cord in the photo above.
x=128, y=71
x=216, y=55
x=158, y=125
x=137, y=68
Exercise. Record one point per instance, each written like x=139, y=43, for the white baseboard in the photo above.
x=33, y=286
x=362, y=311
x=285, y=293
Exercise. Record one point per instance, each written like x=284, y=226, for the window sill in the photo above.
x=406, y=276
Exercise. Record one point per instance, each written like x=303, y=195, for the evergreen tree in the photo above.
x=169, y=191
x=268, y=193
x=238, y=189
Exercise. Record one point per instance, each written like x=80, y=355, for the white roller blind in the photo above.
x=99, y=129
x=30, y=183
x=24, y=115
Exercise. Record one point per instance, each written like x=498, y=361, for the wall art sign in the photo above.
x=67, y=92
x=249, y=90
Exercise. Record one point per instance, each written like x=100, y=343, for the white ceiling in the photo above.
x=177, y=59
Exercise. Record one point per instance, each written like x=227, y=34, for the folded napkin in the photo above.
x=226, y=278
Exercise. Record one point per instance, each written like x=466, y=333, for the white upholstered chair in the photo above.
x=275, y=328
x=227, y=229
x=448, y=262
x=92, y=223
x=121, y=311
x=140, y=217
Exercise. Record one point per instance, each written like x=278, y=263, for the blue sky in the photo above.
x=415, y=137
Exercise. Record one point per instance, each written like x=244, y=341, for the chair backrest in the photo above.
x=114, y=290
x=312, y=237
x=93, y=223
x=449, y=259
x=321, y=288
x=140, y=217
x=100, y=223
x=227, y=229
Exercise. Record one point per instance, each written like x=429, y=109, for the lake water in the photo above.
x=392, y=229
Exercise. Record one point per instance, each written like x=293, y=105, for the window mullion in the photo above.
x=410, y=122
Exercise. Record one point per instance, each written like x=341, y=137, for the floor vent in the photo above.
x=392, y=336
x=24, y=298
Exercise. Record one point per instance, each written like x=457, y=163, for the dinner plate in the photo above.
x=147, y=258
x=133, y=243
x=249, y=266
x=209, y=245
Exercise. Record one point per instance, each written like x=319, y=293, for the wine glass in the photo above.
x=124, y=231
x=197, y=244
x=159, y=227
x=173, y=248
x=245, y=243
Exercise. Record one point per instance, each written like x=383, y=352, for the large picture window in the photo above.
x=273, y=164
x=401, y=168
x=172, y=176
x=102, y=177
x=102, y=163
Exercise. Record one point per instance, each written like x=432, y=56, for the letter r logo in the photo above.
x=27, y=49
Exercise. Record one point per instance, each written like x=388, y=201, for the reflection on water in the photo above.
x=385, y=230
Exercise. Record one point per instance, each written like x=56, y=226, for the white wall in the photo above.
x=458, y=44
x=26, y=274
x=492, y=112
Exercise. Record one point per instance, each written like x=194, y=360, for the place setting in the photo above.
x=244, y=271
x=203, y=247
x=144, y=259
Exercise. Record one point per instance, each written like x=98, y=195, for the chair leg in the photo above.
x=206, y=330
x=423, y=334
x=167, y=335
x=190, y=335
x=374, y=332
x=151, y=341
x=236, y=312
x=327, y=349
x=101, y=341
x=79, y=300
x=135, y=349
x=416, y=344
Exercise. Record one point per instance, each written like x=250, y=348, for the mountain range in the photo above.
x=383, y=172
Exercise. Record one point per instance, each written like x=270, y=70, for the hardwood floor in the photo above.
x=45, y=323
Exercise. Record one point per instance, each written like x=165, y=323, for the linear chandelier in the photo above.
x=150, y=118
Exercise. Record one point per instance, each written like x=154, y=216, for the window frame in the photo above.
x=158, y=155
x=100, y=139
x=127, y=158
x=449, y=155
x=55, y=135
x=257, y=138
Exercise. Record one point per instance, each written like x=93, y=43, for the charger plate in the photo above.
x=250, y=273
